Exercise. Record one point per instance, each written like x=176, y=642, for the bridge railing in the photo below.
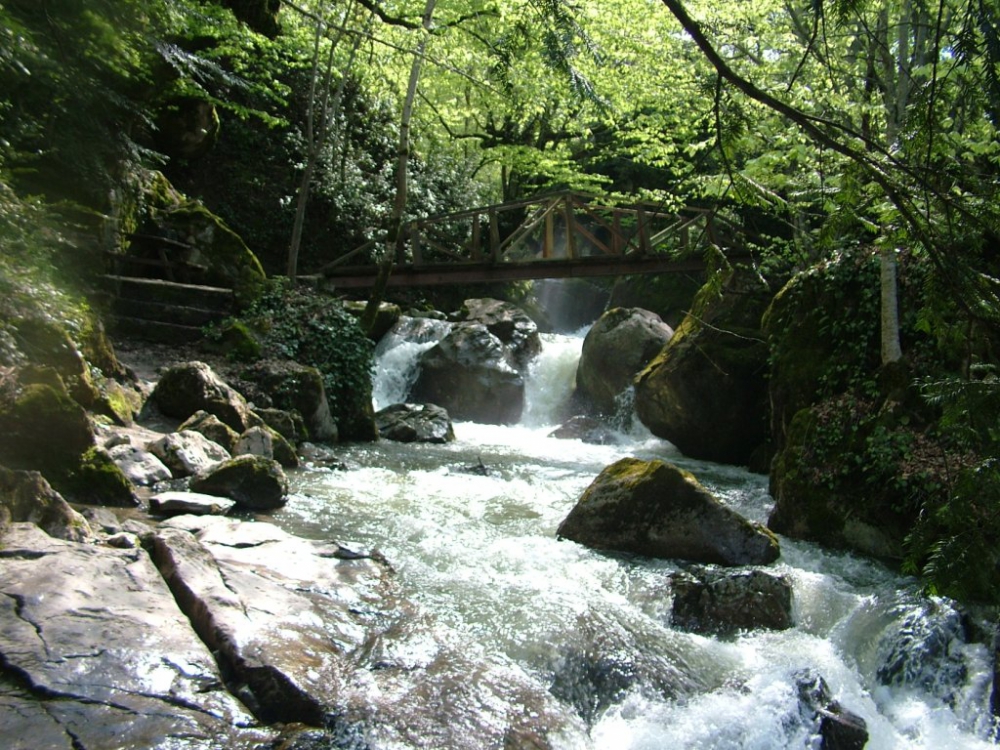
x=564, y=225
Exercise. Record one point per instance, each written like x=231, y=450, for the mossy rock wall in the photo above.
x=706, y=392
x=822, y=328
x=213, y=254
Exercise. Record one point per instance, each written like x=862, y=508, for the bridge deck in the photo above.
x=560, y=235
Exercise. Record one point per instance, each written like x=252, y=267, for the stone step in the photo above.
x=171, y=293
x=156, y=311
x=157, y=331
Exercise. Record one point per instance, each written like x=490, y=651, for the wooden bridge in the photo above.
x=559, y=235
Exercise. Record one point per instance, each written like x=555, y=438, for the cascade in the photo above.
x=478, y=556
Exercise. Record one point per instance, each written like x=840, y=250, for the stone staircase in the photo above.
x=165, y=311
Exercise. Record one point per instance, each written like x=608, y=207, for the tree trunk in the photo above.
x=395, y=240
x=891, y=349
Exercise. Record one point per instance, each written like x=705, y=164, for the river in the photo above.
x=479, y=553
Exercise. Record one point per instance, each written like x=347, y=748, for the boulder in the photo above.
x=585, y=429
x=263, y=441
x=43, y=429
x=415, y=423
x=25, y=496
x=141, y=467
x=187, y=453
x=706, y=392
x=50, y=347
x=211, y=427
x=252, y=591
x=470, y=374
x=254, y=482
x=617, y=347
x=189, y=503
x=723, y=603
x=655, y=509
x=189, y=387
x=508, y=323
x=95, y=479
x=294, y=387
x=289, y=424
x=839, y=729
x=103, y=656
x=213, y=254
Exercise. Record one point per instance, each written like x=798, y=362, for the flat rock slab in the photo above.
x=288, y=616
x=189, y=503
x=96, y=654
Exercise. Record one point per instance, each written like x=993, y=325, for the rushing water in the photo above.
x=480, y=554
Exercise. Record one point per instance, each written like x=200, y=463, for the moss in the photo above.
x=43, y=428
x=235, y=339
x=95, y=479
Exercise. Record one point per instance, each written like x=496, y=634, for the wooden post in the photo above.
x=617, y=245
x=477, y=251
x=570, y=227
x=418, y=255
x=643, y=232
x=494, y=236
x=550, y=236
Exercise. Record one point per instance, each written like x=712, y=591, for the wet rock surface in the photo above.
x=508, y=323
x=25, y=496
x=655, y=509
x=254, y=482
x=472, y=375
x=415, y=423
x=724, y=603
x=617, y=347
x=96, y=654
x=187, y=453
x=189, y=503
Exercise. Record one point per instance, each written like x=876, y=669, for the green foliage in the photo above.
x=313, y=329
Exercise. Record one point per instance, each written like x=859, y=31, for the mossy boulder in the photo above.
x=655, y=509
x=96, y=480
x=724, y=603
x=385, y=318
x=254, y=482
x=296, y=388
x=43, y=428
x=48, y=345
x=510, y=324
x=26, y=496
x=209, y=252
x=837, y=481
x=187, y=127
x=706, y=392
x=212, y=428
x=617, y=348
x=823, y=333
x=189, y=387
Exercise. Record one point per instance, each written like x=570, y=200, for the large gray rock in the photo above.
x=104, y=657
x=25, y=496
x=294, y=387
x=263, y=441
x=726, y=602
x=839, y=728
x=142, y=467
x=189, y=503
x=508, y=323
x=472, y=375
x=187, y=453
x=655, y=509
x=286, y=615
x=211, y=427
x=415, y=423
x=189, y=387
x=254, y=482
x=617, y=347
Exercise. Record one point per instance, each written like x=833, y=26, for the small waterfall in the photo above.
x=551, y=379
x=397, y=357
